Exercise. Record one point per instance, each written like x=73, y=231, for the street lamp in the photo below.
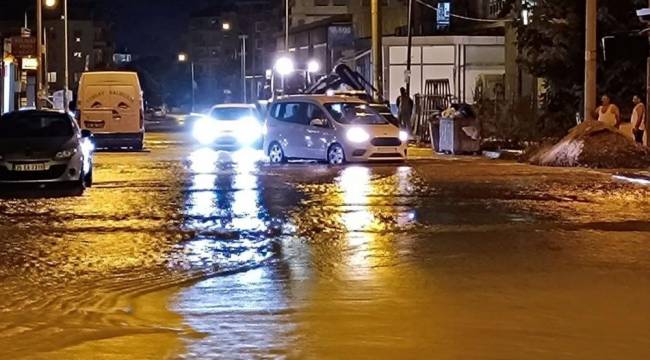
x=182, y=58
x=66, y=74
x=313, y=66
x=284, y=66
x=225, y=26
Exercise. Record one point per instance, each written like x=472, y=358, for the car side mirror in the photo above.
x=85, y=133
x=318, y=122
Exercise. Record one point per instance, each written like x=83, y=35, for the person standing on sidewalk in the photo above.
x=608, y=112
x=404, y=109
x=638, y=119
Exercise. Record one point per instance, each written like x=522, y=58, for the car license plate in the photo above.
x=94, y=124
x=387, y=150
x=31, y=167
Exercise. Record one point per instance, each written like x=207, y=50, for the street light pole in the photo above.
x=39, y=50
x=192, y=71
x=243, y=66
x=66, y=101
x=286, y=27
x=590, y=59
x=377, y=61
x=410, y=48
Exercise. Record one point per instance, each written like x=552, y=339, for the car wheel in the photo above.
x=335, y=155
x=276, y=154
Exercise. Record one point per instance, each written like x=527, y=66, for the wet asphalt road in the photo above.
x=183, y=252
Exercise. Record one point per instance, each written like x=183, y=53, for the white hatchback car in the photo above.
x=336, y=129
x=230, y=126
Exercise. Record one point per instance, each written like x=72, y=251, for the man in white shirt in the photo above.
x=638, y=119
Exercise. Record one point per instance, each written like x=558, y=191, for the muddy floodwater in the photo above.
x=183, y=252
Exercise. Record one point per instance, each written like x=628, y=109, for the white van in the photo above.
x=110, y=105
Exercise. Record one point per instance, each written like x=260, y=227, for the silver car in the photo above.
x=43, y=147
x=336, y=129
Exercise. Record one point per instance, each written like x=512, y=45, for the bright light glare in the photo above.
x=248, y=131
x=403, y=136
x=357, y=135
x=205, y=131
x=182, y=57
x=50, y=3
x=284, y=66
x=313, y=66
x=634, y=180
x=225, y=26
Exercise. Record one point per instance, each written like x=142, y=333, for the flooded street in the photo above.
x=183, y=252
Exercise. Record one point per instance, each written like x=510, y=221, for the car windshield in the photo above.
x=231, y=113
x=14, y=126
x=355, y=113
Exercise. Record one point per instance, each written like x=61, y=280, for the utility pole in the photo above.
x=590, y=59
x=409, y=22
x=377, y=61
x=39, y=51
x=647, y=99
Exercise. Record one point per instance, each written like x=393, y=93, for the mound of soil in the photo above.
x=593, y=144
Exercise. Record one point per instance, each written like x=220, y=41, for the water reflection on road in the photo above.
x=196, y=253
x=245, y=311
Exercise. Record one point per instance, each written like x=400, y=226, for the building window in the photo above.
x=260, y=26
x=77, y=36
x=342, y=2
x=77, y=54
x=51, y=77
x=322, y=2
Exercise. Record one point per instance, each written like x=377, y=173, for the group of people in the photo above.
x=610, y=114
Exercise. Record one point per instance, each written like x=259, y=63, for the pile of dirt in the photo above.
x=593, y=144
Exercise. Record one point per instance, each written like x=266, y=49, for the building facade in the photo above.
x=216, y=45
x=303, y=12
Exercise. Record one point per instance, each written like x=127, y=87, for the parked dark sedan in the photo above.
x=44, y=147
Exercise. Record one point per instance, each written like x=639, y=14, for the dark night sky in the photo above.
x=150, y=27
x=145, y=27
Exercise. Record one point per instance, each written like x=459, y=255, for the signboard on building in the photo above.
x=29, y=63
x=23, y=46
x=444, y=15
x=340, y=36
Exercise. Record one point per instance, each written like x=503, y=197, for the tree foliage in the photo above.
x=552, y=48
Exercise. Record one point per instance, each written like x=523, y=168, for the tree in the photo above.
x=552, y=48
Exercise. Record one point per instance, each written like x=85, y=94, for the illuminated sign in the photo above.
x=444, y=15
x=30, y=64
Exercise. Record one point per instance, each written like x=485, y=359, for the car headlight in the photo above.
x=248, y=130
x=205, y=130
x=357, y=135
x=403, y=136
x=65, y=154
